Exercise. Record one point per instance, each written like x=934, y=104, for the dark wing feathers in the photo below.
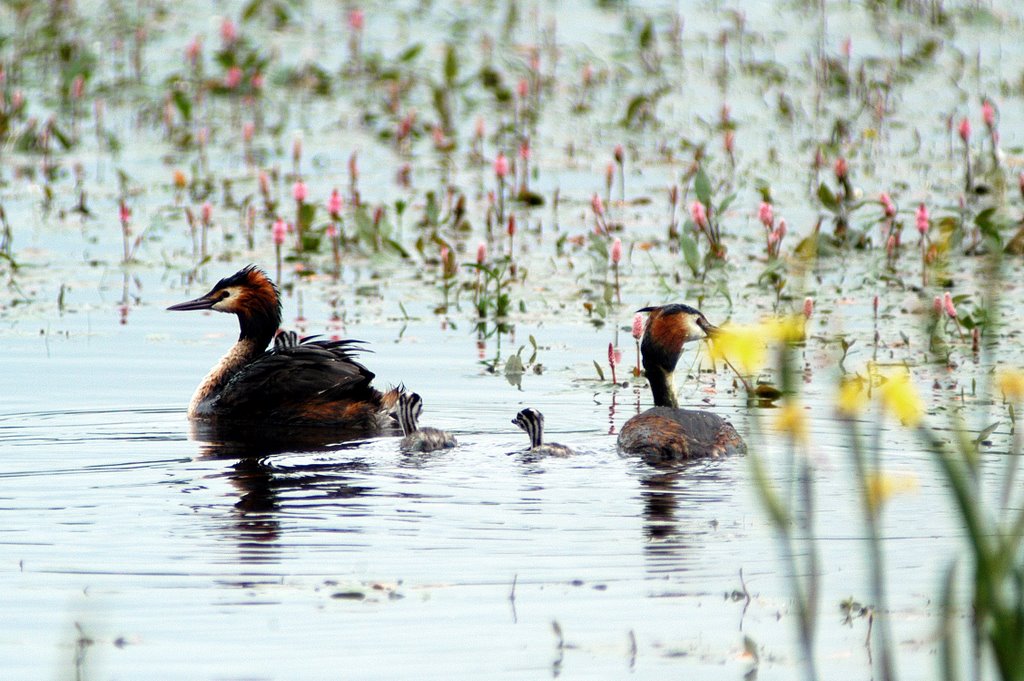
x=288, y=376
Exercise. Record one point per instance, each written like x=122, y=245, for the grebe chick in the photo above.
x=532, y=421
x=667, y=433
x=410, y=406
x=296, y=382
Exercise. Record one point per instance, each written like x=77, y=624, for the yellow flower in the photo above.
x=901, y=399
x=1011, y=383
x=852, y=398
x=882, y=486
x=742, y=345
x=792, y=419
x=180, y=180
x=789, y=329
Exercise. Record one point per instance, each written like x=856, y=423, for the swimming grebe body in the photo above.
x=532, y=421
x=667, y=433
x=311, y=382
x=410, y=406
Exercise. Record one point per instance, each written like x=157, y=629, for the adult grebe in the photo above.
x=296, y=382
x=666, y=432
x=410, y=406
x=532, y=421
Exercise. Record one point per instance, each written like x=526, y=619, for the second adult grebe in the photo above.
x=311, y=382
x=667, y=433
x=532, y=421
x=410, y=406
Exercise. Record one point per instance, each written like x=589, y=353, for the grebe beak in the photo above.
x=202, y=303
x=709, y=329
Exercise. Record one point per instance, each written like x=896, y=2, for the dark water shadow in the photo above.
x=238, y=441
x=676, y=502
x=269, y=483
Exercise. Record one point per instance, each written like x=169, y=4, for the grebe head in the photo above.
x=249, y=294
x=669, y=328
x=531, y=421
x=410, y=406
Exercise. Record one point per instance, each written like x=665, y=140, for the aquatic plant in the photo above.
x=704, y=222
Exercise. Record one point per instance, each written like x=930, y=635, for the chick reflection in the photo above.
x=267, y=486
x=671, y=532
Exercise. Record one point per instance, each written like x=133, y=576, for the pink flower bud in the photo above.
x=353, y=167
x=193, y=50
x=988, y=114
x=729, y=143
x=280, y=230
x=587, y=74
x=781, y=229
x=248, y=130
x=264, y=183
x=206, y=213
x=297, y=149
x=808, y=307
x=937, y=306
x=332, y=231
x=524, y=151
x=947, y=304
x=299, y=191
x=78, y=87
x=233, y=78
x=444, y=255
x=481, y=127
x=228, y=31
x=619, y=153
x=888, y=207
x=847, y=47
x=841, y=169
x=356, y=20
x=616, y=251
x=874, y=305
x=699, y=215
x=523, y=88
x=773, y=237
x=378, y=215
x=511, y=225
x=404, y=177
x=638, y=326
x=611, y=355
x=965, y=130
x=335, y=203
x=501, y=166
x=766, y=215
x=609, y=174
x=922, y=218
x=124, y=213
x=890, y=244
x=597, y=204
x=481, y=253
